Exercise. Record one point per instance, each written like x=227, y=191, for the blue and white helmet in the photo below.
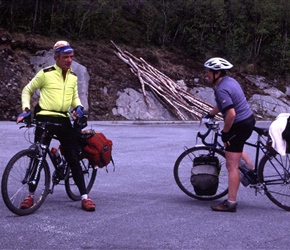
x=217, y=63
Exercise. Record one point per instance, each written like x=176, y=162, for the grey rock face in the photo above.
x=131, y=105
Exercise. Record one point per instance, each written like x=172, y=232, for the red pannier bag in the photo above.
x=98, y=149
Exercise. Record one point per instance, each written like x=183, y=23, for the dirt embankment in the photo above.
x=105, y=69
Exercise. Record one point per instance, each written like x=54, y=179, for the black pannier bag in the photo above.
x=205, y=175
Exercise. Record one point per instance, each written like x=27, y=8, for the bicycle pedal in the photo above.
x=259, y=188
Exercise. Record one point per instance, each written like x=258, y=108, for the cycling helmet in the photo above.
x=217, y=63
x=62, y=46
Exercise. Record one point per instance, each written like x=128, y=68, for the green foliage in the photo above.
x=243, y=31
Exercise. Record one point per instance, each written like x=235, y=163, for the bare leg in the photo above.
x=232, y=163
x=247, y=159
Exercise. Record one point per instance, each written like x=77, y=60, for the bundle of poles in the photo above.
x=182, y=104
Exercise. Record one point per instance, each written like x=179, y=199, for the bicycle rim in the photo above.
x=274, y=174
x=15, y=179
x=183, y=166
x=89, y=177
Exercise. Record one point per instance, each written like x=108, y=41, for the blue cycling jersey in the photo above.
x=229, y=94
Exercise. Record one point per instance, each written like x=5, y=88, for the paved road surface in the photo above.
x=139, y=206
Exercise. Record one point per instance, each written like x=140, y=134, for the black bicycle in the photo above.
x=30, y=167
x=272, y=169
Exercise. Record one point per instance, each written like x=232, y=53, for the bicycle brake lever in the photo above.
x=200, y=122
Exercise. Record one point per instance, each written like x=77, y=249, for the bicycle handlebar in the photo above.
x=203, y=136
x=33, y=123
x=211, y=124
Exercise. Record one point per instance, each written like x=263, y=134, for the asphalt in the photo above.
x=139, y=206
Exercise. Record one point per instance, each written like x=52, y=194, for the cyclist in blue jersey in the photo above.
x=239, y=122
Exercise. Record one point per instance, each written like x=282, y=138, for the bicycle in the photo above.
x=272, y=169
x=29, y=167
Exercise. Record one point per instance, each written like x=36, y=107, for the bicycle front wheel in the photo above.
x=89, y=173
x=274, y=175
x=17, y=177
x=184, y=164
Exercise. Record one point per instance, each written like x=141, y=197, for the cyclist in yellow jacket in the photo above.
x=58, y=93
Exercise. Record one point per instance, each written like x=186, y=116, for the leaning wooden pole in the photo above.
x=179, y=102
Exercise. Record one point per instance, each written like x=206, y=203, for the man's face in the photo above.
x=211, y=75
x=64, y=60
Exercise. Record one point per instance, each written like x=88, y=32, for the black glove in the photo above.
x=226, y=136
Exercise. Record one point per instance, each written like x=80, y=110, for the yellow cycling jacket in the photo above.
x=57, y=95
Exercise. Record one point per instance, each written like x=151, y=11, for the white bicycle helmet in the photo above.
x=217, y=63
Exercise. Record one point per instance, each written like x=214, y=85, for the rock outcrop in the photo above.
x=267, y=106
x=110, y=91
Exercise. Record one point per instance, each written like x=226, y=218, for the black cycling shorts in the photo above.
x=241, y=132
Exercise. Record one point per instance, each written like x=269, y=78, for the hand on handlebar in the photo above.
x=208, y=116
x=78, y=112
x=25, y=115
x=207, y=119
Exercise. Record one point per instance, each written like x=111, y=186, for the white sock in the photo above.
x=84, y=196
x=231, y=202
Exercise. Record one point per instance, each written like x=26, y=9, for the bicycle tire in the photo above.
x=274, y=175
x=182, y=172
x=89, y=173
x=15, y=178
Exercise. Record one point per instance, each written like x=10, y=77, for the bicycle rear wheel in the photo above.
x=183, y=166
x=89, y=173
x=17, y=177
x=274, y=174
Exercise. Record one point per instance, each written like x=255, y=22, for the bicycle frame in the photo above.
x=271, y=170
x=41, y=149
x=28, y=173
x=259, y=145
